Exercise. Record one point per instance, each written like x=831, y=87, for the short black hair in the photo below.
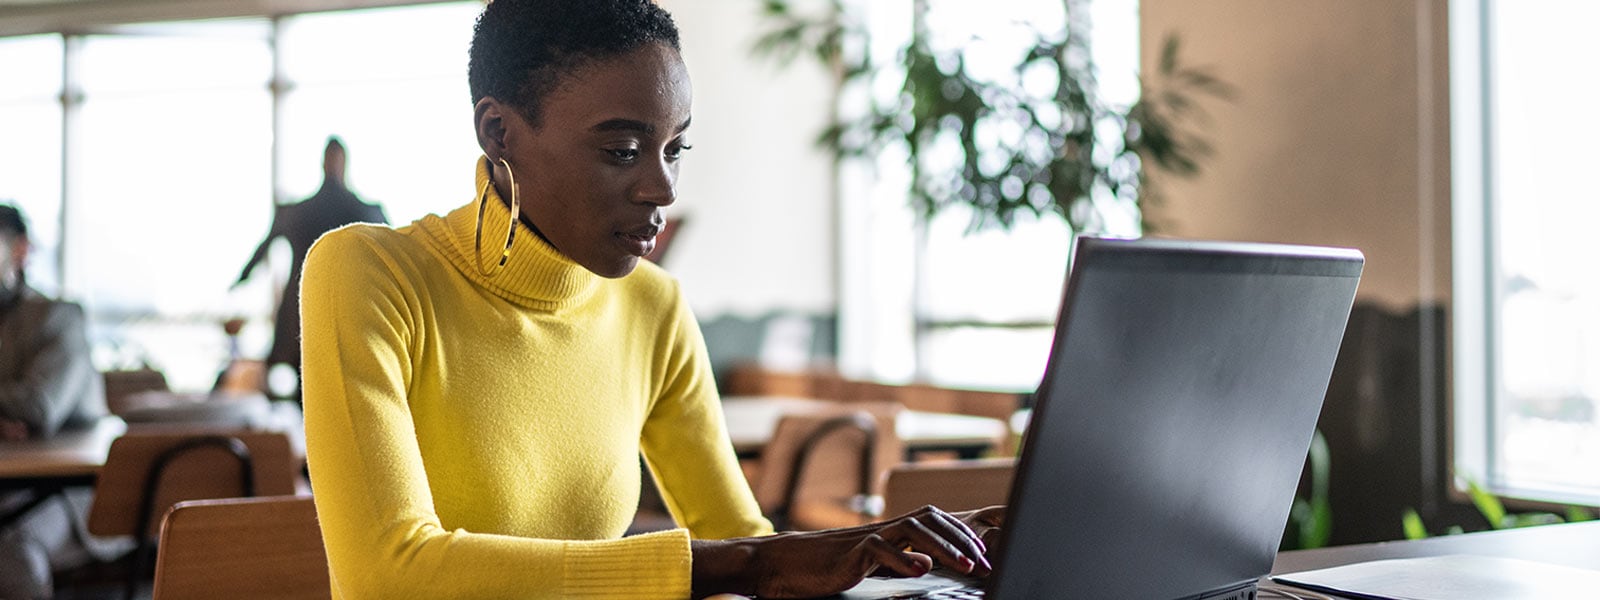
x=522, y=48
x=12, y=221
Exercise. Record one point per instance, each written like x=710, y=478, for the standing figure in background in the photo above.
x=332, y=207
x=47, y=384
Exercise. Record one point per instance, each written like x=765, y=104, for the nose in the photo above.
x=659, y=184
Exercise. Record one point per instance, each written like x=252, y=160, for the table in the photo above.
x=69, y=458
x=42, y=468
x=1571, y=545
x=752, y=419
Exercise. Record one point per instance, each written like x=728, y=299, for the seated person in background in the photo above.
x=479, y=386
x=47, y=383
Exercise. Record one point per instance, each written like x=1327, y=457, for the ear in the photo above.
x=489, y=120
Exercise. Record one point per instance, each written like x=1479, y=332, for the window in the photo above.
x=148, y=159
x=173, y=155
x=30, y=147
x=931, y=301
x=1527, y=367
x=397, y=96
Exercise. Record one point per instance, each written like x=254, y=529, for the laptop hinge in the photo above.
x=1241, y=591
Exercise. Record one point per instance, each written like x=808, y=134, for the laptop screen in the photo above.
x=1173, y=420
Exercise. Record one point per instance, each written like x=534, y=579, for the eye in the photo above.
x=624, y=154
x=674, y=152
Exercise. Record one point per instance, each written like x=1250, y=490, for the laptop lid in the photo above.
x=1170, y=429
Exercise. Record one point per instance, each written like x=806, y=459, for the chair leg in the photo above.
x=136, y=569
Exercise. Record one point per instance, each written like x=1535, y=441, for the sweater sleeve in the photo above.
x=685, y=443
x=383, y=536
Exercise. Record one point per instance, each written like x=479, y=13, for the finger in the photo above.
x=977, y=547
x=933, y=536
x=875, y=553
x=966, y=540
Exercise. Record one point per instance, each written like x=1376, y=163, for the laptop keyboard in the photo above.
x=964, y=593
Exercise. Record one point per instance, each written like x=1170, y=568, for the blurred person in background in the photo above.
x=48, y=384
x=332, y=207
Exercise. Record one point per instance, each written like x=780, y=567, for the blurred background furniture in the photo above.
x=44, y=467
x=146, y=473
x=242, y=548
x=752, y=422
x=823, y=468
x=747, y=379
x=121, y=385
x=949, y=485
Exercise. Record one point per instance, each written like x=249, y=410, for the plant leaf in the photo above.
x=1411, y=522
x=1493, y=511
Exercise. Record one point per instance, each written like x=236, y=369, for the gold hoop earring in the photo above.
x=511, y=228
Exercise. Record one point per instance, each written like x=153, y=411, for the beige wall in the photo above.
x=1335, y=135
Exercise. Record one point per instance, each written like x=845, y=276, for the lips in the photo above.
x=639, y=241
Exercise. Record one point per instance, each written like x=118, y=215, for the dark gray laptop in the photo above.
x=1174, y=417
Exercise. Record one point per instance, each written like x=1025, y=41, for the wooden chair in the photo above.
x=242, y=548
x=824, y=469
x=949, y=485
x=146, y=473
x=123, y=385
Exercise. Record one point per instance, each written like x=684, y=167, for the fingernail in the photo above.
x=966, y=564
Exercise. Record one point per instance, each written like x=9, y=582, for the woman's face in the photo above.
x=603, y=160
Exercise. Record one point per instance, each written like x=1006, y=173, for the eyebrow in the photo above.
x=633, y=126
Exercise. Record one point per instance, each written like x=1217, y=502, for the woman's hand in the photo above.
x=987, y=522
x=821, y=563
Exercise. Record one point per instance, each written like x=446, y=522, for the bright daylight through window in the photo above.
x=177, y=138
x=1526, y=285
x=945, y=305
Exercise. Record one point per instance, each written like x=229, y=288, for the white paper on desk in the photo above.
x=1453, y=577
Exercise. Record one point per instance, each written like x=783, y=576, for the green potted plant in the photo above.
x=999, y=147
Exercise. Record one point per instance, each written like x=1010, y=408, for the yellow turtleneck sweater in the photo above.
x=474, y=437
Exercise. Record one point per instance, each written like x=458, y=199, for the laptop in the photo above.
x=1169, y=432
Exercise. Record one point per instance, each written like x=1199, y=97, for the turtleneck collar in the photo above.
x=536, y=275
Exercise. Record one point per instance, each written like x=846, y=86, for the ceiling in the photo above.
x=23, y=17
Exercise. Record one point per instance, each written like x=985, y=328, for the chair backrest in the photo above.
x=121, y=385
x=950, y=485
x=823, y=468
x=147, y=472
x=242, y=548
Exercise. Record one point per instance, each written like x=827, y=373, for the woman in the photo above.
x=479, y=386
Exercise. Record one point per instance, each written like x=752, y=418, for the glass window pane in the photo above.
x=30, y=177
x=163, y=191
x=380, y=44
x=987, y=358
x=1547, y=295
x=232, y=54
x=30, y=67
x=399, y=101
x=413, y=153
x=30, y=147
x=994, y=275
